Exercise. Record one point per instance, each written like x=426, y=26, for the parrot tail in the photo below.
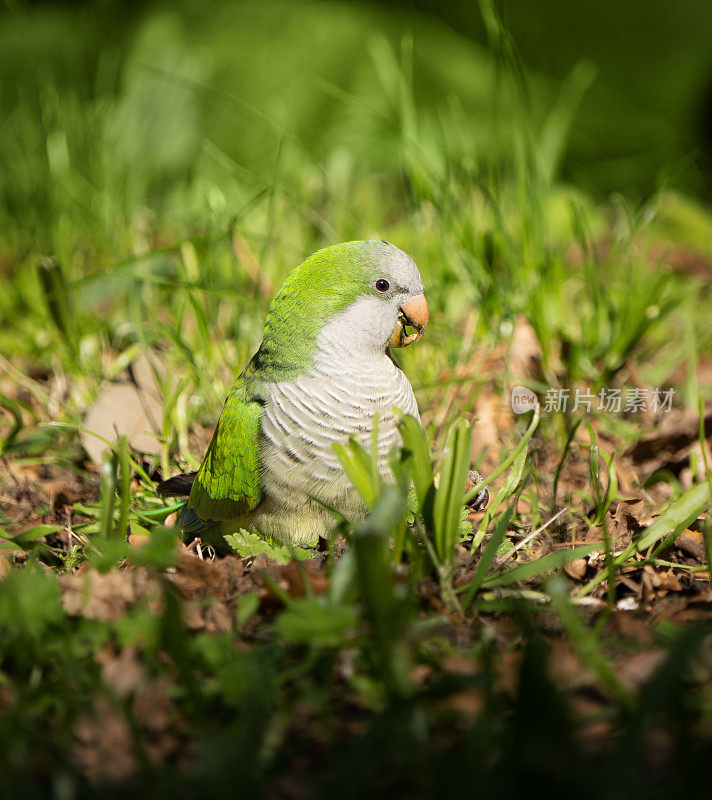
x=190, y=523
x=177, y=486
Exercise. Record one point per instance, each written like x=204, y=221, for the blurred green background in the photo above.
x=177, y=159
x=186, y=107
x=647, y=118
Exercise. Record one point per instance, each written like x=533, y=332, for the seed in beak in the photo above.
x=414, y=314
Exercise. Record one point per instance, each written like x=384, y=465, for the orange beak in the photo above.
x=413, y=314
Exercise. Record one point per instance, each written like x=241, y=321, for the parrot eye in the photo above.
x=382, y=285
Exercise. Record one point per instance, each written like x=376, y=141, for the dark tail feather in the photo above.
x=189, y=522
x=192, y=525
x=177, y=486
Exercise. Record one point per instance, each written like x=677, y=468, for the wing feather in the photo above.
x=228, y=484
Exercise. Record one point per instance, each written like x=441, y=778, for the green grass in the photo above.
x=147, y=206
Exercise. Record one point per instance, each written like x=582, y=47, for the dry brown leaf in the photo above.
x=419, y=675
x=592, y=731
x=670, y=582
x=468, y=703
x=565, y=668
x=212, y=618
x=576, y=569
x=196, y=578
x=103, y=750
x=311, y=570
x=109, y=596
x=104, y=747
x=131, y=407
x=669, y=446
x=492, y=420
x=639, y=668
x=627, y=517
x=5, y=565
x=119, y=409
x=152, y=705
x=667, y=608
x=524, y=351
x=508, y=672
x=122, y=671
x=692, y=543
x=459, y=665
x=627, y=477
x=630, y=626
x=143, y=371
x=289, y=578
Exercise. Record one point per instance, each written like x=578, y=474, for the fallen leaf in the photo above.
x=591, y=730
x=107, y=597
x=491, y=420
x=576, y=569
x=692, y=543
x=669, y=446
x=458, y=665
x=670, y=582
x=524, y=351
x=627, y=517
x=132, y=407
x=310, y=570
x=639, y=668
x=121, y=670
x=629, y=626
x=468, y=703
x=419, y=675
x=198, y=578
x=104, y=750
x=212, y=618
x=5, y=566
x=119, y=409
x=565, y=667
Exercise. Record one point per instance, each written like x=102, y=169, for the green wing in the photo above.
x=228, y=482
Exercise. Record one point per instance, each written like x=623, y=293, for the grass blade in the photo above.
x=356, y=463
x=448, y=503
x=564, y=456
x=488, y=556
x=107, y=495
x=122, y=450
x=540, y=565
x=416, y=445
x=505, y=492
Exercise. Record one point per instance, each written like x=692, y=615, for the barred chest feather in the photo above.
x=304, y=418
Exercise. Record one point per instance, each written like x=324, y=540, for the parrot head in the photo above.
x=358, y=297
x=388, y=307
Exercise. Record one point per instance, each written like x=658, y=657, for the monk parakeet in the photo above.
x=322, y=373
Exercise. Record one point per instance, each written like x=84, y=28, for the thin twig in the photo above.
x=528, y=538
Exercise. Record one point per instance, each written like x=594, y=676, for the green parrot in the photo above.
x=322, y=373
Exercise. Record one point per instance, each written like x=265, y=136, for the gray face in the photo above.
x=392, y=314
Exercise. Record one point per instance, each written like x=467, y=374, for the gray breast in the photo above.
x=304, y=418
